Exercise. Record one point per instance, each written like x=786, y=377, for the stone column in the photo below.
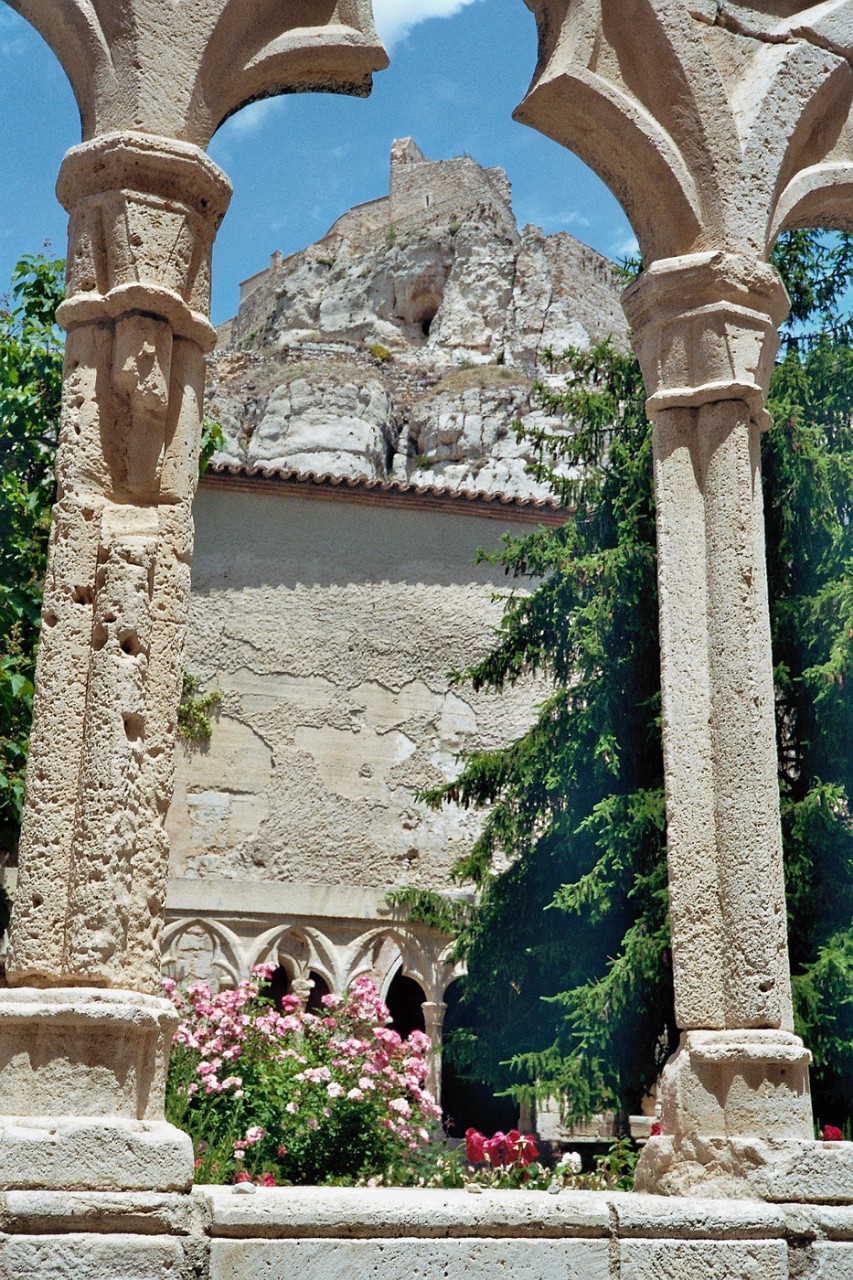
x=94, y=854
x=703, y=120
x=705, y=333
x=84, y=1038
x=434, y=1025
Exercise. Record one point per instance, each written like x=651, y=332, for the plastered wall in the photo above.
x=330, y=629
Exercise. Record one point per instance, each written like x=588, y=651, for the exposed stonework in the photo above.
x=330, y=630
x=335, y=1232
x=718, y=126
x=152, y=83
x=404, y=343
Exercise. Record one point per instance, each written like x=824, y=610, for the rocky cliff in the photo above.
x=404, y=344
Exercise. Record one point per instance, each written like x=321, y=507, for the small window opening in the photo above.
x=279, y=986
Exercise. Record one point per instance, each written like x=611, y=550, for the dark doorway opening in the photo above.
x=404, y=1001
x=279, y=985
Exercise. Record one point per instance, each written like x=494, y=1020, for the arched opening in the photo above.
x=465, y=1100
x=320, y=988
x=280, y=985
x=404, y=1000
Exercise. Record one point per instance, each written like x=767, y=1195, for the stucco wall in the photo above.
x=330, y=628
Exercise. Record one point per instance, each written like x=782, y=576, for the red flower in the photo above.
x=243, y=1176
x=475, y=1145
x=495, y=1148
x=655, y=1129
x=831, y=1134
x=267, y=1180
x=520, y=1148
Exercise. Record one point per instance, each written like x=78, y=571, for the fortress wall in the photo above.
x=425, y=190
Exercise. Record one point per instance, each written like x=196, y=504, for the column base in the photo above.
x=748, y=1168
x=736, y=1121
x=82, y=1087
x=98, y=1153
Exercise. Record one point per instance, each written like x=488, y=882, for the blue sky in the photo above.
x=458, y=68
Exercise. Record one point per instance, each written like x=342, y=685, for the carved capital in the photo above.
x=705, y=329
x=144, y=214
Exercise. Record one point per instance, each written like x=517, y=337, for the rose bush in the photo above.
x=292, y=1096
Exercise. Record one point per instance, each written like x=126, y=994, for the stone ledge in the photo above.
x=104, y=1213
x=319, y=1233
x=364, y=1213
x=343, y=1213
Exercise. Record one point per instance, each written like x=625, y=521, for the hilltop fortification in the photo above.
x=404, y=343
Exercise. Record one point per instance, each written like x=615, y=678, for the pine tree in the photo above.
x=569, y=990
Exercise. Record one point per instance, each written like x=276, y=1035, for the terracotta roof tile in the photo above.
x=326, y=480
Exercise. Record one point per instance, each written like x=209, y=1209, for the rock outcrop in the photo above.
x=405, y=343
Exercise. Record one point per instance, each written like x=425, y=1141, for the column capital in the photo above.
x=705, y=329
x=144, y=214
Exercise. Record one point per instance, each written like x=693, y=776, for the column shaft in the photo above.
x=724, y=839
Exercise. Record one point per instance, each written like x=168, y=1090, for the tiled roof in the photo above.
x=434, y=496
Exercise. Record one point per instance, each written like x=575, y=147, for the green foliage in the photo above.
x=380, y=353
x=30, y=393
x=212, y=440
x=569, y=990
x=808, y=468
x=454, y=227
x=439, y=910
x=194, y=723
x=391, y=233
x=449, y=1170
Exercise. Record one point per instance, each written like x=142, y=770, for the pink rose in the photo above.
x=832, y=1134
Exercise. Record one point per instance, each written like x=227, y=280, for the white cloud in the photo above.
x=626, y=246
x=395, y=18
x=251, y=118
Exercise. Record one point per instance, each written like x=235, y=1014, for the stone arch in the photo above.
x=382, y=952
x=202, y=950
x=300, y=950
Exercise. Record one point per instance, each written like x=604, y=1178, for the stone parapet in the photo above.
x=331, y=1232
x=82, y=1084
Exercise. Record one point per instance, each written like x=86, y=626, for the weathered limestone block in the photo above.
x=398, y=1260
